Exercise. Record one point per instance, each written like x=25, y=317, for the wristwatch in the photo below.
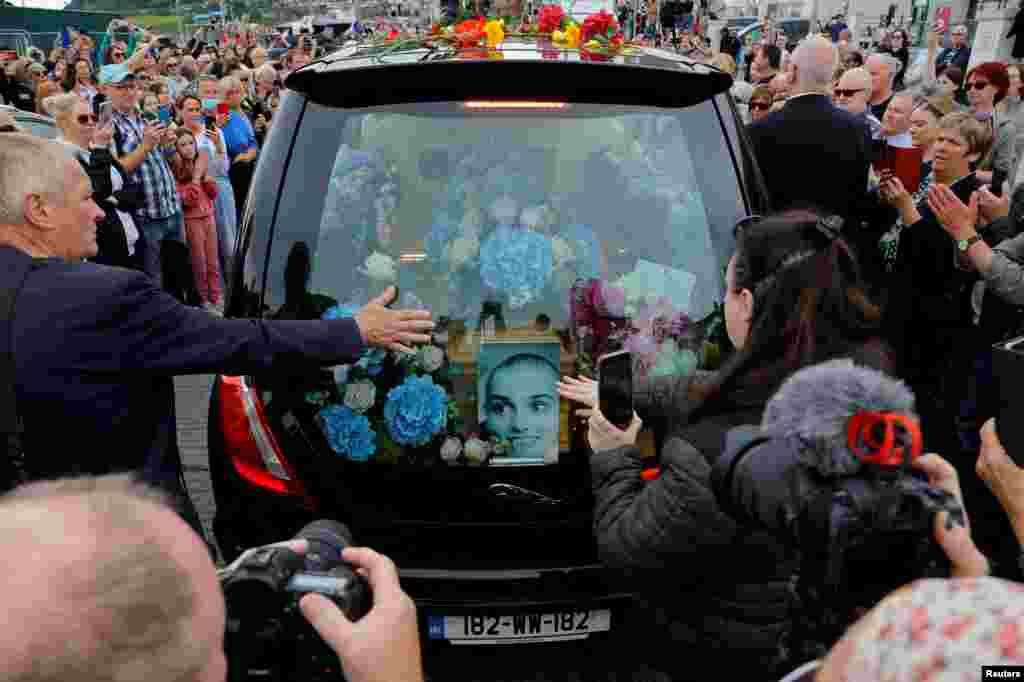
x=962, y=245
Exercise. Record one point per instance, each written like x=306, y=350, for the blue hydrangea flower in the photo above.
x=347, y=432
x=416, y=411
x=517, y=262
x=372, y=359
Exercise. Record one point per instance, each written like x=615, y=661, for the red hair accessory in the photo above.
x=884, y=438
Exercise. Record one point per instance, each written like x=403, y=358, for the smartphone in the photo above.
x=223, y=109
x=164, y=115
x=615, y=387
x=105, y=114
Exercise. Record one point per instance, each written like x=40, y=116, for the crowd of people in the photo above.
x=914, y=271
x=170, y=135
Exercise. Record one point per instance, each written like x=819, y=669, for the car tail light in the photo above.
x=525, y=105
x=249, y=442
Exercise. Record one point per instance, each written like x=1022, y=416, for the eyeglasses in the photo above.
x=86, y=119
x=977, y=85
x=761, y=106
x=844, y=93
x=117, y=55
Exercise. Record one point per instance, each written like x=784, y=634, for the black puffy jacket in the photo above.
x=713, y=596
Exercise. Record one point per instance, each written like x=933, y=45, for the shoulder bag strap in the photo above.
x=12, y=466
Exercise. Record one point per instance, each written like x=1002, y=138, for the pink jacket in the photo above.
x=197, y=198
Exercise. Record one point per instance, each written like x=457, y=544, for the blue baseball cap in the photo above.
x=112, y=74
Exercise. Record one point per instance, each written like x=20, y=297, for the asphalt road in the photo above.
x=474, y=664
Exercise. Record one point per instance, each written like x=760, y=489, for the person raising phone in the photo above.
x=794, y=298
x=136, y=146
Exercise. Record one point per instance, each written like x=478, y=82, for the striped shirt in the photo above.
x=154, y=173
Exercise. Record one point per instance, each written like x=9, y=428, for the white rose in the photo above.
x=562, y=251
x=463, y=250
x=380, y=266
x=532, y=217
x=451, y=449
x=360, y=396
x=430, y=358
x=476, y=452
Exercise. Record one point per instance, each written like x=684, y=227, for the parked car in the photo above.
x=505, y=191
x=36, y=124
x=794, y=28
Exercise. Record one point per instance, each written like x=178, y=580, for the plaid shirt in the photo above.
x=158, y=182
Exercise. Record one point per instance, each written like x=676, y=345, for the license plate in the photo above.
x=520, y=628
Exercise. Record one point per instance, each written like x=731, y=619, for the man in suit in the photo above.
x=96, y=348
x=811, y=153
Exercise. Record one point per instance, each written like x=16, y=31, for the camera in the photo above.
x=267, y=637
x=829, y=474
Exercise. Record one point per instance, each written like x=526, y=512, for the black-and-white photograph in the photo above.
x=518, y=397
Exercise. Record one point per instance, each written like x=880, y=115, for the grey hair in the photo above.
x=864, y=75
x=894, y=65
x=126, y=604
x=813, y=408
x=228, y=83
x=28, y=165
x=61, y=106
x=814, y=72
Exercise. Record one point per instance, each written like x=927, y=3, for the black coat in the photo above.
x=714, y=596
x=1018, y=30
x=813, y=154
x=110, y=235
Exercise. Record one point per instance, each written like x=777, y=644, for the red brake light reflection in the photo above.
x=522, y=105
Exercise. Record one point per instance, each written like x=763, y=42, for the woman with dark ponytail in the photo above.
x=716, y=595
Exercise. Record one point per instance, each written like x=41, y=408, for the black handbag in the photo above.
x=13, y=469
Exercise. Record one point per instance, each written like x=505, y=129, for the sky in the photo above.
x=45, y=4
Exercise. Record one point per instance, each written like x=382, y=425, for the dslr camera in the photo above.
x=267, y=637
x=829, y=473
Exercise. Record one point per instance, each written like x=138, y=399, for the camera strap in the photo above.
x=12, y=466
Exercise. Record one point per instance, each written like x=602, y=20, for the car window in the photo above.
x=604, y=226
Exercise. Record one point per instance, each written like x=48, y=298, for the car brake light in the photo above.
x=250, y=443
x=527, y=105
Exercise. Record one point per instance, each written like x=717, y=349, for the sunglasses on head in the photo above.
x=86, y=119
x=977, y=85
x=847, y=93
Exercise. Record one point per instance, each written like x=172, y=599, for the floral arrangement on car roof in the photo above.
x=390, y=406
x=598, y=38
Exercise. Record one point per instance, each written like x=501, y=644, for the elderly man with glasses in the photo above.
x=958, y=54
x=853, y=93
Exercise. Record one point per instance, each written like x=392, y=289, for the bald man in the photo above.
x=811, y=153
x=105, y=582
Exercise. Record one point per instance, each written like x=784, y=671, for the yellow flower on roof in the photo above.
x=495, y=30
x=570, y=37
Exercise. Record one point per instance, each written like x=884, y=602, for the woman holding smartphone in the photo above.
x=793, y=298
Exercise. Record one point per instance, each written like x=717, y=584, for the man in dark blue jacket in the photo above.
x=811, y=153
x=96, y=348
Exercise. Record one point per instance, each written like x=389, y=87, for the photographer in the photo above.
x=793, y=298
x=108, y=584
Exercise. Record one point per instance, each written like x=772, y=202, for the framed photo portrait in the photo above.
x=518, y=397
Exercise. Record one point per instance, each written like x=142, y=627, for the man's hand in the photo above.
x=169, y=136
x=151, y=137
x=966, y=559
x=581, y=390
x=1003, y=477
x=384, y=646
x=395, y=330
x=992, y=207
x=602, y=435
x=956, y=219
